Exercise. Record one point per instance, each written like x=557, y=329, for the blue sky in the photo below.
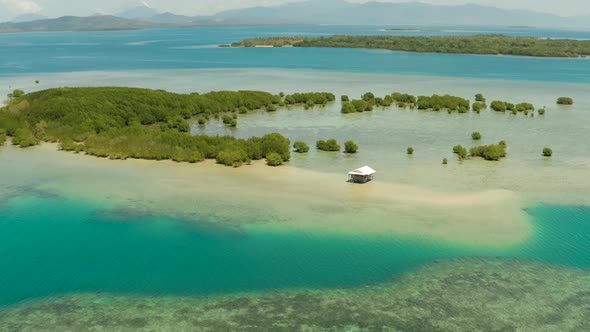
x=54, y=8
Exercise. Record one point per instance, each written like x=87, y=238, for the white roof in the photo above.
x=364, y=171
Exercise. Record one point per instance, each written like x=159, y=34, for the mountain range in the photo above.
x=337, y=12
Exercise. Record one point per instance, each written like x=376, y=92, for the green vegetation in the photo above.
x=271, y=108
x=478, y=106
x=404, y=98
x=357, y=105
x=476, y=136
x=489, y=152
x=122, y=123
x=310, y=98
x=445, y=161
x=541, y=111
x=547, y=152
x=37, y=82
x=460, y=151
x=329, y=145
x=480, y=98
x=274, y=159
x=16, y=94
x=446, y=102
x=480, y=44
x=525, y=107
x=350, y=147
x=229, y=121
x=503, y=106
x=498, y=106
x=410, y=150
x=565, y=101
x=301, y=147
x=344, y=98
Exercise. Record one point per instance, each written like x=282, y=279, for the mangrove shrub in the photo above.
x=350, y=147
x=329, y=145
x=301, y=147
x=547, y=152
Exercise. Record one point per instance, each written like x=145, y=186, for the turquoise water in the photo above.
x=50, y=246
x=194, y=48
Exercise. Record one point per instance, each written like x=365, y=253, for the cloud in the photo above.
x=21, y=6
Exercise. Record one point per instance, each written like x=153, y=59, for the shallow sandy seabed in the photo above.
x=272, y=198
x=456, y=295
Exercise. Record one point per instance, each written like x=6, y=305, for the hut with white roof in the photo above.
x=362, y=175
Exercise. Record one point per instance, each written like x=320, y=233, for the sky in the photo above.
x=56, y=8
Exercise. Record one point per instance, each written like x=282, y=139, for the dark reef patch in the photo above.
x=456, y=295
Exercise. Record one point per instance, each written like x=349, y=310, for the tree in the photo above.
x=460, y=151
x=547, y=152
x=24, y=138
x=276, y=143
x=410, y=150
x=489, y=152
x=478, y=106
x=476, y=136
x=16, y=94
x=498, y=106
x=301, y=147
x=202, y=121
x=350, y=147
x=368, y=97
x=271, y=108
x=480, y=98
x=445, y=161
x=345, y=98
x=525, y=107
x=565, y=101
x=387, y=101
x=348, y=108
x=274, y=159
x=232, y=157
x=329, y=145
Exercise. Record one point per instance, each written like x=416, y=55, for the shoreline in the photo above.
x=314, y=200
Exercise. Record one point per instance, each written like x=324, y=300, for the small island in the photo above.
x=479, y=44
x=121, y=123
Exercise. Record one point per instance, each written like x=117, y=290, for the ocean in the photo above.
x=74, y=225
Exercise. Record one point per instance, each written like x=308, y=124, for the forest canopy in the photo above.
x=479, y=44
x=122, y=123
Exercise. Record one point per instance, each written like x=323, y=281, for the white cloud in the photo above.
x=21, y=6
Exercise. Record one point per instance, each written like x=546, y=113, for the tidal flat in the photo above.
x=455, y=295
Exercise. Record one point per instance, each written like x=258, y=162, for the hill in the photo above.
x=410, y=13
x=75, y=23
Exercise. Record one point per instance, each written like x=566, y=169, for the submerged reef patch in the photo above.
x=455, y=295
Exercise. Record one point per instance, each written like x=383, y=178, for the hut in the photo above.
x=361, y=175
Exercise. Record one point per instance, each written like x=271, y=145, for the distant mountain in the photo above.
x=338, y=12
x=74, y=23
x=169, y=18
x=386, y=13
x=28, y=18
x=142, y=12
